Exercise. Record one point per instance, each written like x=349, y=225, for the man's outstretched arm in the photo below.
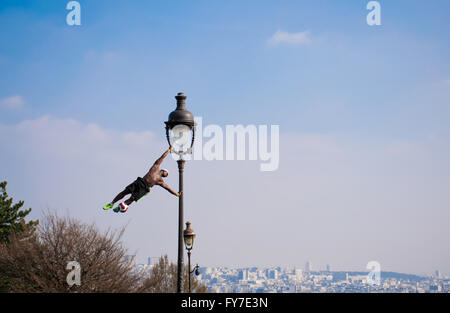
x=161, y=158
x=165, y=186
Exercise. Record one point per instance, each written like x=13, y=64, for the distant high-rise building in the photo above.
x=328, y=268
x=151, y=260
x=130, y=259
x=437, y=274
x=262, y=274
x=298, y=274
x=308, y=266
x=274, y=274
x=243, y=274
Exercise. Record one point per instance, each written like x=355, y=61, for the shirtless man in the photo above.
x=141, y=186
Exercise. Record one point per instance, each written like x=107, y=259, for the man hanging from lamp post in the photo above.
x=141, y=186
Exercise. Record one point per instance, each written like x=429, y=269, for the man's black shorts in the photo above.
x=138, y=188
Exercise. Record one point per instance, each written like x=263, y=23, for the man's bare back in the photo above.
x=155, y=175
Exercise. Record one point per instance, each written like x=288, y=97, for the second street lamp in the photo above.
x=180, y=124
x=189, y=236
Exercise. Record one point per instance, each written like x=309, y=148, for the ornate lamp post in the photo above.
x=178, y=127
x=189, y=236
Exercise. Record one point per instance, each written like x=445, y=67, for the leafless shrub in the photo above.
x=163, y=279
x=37, y=263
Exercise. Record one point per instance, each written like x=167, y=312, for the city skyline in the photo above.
x=326, y=268
x=294, y=280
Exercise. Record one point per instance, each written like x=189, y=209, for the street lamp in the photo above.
x=179, y=125
x=189, y=236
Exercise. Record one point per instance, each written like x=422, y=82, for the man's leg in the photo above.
x=129, y=200
x=117, y=198
x=120, y=196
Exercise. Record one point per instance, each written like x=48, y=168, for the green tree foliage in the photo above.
x=12, y=217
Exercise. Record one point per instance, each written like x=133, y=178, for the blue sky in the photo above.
x=134, y=56
x=349, y=92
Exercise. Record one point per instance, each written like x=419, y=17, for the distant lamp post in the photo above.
x=178, y=127
x=189, y=236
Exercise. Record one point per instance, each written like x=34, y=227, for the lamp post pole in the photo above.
x=189, y=269
x=180, y=227
x=181, y=122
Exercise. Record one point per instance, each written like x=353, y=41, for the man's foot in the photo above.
x=108, y=206
x=116, y=209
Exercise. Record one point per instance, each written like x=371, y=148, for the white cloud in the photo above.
x=336, y=200
x=13, y=102
x=300, y=38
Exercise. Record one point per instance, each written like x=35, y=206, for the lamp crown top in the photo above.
x=180, y=115
x=181, y=101
x=189, y=230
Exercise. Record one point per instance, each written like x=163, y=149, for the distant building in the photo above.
x=298, y=274
x=243, y=274
x=272, y=274
x=308, y=267
x=262, y=274
x=328, y=268
x=152, y=260
x=437, y=274
x=435, y=288
x=130, y=260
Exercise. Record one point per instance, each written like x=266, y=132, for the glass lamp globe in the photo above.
x=181, y=135
x=189, y=241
